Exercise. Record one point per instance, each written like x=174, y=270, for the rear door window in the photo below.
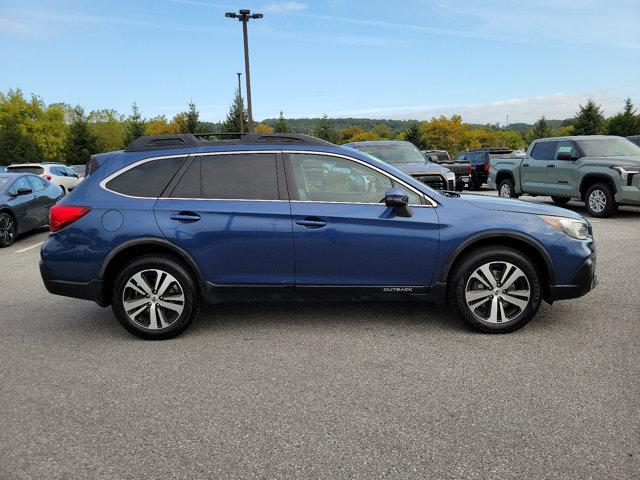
x=544, y=150
x=190, y=185
x=146, y=180
x=22, y=182
x=244, y=176
x=37, y=184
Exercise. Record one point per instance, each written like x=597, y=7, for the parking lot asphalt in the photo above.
x=361, y=390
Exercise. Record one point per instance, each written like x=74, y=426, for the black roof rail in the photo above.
x=181, y=140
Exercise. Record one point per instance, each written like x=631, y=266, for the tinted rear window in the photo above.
x=241, y=176
x=543, y=150
x=34, y=170
x=190, y=185
x=148, y=179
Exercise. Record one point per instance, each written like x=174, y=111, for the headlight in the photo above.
x=626, y=171
x=450, y=176
x=578, y=229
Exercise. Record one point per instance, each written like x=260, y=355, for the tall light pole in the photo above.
x=244, y=15
x=240, y=112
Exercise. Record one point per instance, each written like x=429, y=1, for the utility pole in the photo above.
x=244, y=15
x=240, y=112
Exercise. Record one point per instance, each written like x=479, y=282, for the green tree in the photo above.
x=589, y=119
x=108, y=128
x=281, y=126
x=192, y=122
x=625, y=123
x=135, y=126
x=325, y=131
x=232, y=123
x=81, y=142
x=413, y=135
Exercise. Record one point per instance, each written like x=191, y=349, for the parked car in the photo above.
x=460, y=168
x=635, y=139
x=480, y=159
x=603, y=171
x=172, y=220
x=79, y=170
x=25, y=201
x=55, y=173
x=406, y=157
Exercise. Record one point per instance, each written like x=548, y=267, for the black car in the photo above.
x=25, y=201
x=461, y=168
x=480, y=160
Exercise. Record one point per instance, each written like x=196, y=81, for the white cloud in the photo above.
x=285, y=7
x=528, y=110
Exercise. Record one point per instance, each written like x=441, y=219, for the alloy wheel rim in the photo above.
x=505, y=191
x=7, y=229
x=597, y=201
x=153, y=299
x=497, y=292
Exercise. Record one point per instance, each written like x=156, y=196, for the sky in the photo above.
x=413, y=59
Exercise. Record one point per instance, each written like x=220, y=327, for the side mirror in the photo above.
x=398, y=199
x=565, y=156
x=23, y=191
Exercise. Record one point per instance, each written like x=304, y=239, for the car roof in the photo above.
x=378, y=142
x=490, y=149
x=33, y=164
x=578, y=137
x=11, y=175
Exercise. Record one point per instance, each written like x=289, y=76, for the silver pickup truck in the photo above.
x=603, y=171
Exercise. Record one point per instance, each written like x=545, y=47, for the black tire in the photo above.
x=506, y=189
x=461, y=275
x=186, y=283
x=603, y=192
x=560, y=201
x=8, y=230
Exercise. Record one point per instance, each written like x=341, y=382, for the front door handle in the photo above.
x=312, y=222
x=551, y=165
x=525, y=164
x=185, y=217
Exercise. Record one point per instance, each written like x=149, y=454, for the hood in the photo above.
x=428, y=168
x=618, y=161
x=519, y=206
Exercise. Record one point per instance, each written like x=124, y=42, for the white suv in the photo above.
x=56, y=173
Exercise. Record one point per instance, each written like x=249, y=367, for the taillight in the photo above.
x=469, y=168
x=46, y=177
x=62, y=215
x=486, y=168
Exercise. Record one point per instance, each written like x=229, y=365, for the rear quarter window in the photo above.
x=147, y=179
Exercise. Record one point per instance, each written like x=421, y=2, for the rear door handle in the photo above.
x=312, y=222
x=525, y=164
x=551, y=165
x=185, y=217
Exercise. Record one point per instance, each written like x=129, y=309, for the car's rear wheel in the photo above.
x=506, y=189
x=560, y=201
x=8, y=230
x=155, y=297
x=495, y=289
x=600, y=201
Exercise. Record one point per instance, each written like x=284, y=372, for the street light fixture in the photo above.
x=244, y=15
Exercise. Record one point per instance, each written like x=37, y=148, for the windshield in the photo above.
x=608, y=147
x=397, y=153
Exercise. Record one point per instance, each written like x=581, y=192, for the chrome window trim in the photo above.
x=433, y=203
x=103, y=183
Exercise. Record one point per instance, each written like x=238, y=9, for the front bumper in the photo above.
x=86, y=291
x=583, y=282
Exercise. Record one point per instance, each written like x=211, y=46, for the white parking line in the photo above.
x=29, y=248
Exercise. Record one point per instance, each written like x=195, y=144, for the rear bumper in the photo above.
x=583, y=282
x=86, y=291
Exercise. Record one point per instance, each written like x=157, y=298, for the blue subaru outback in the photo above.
x=173, y=220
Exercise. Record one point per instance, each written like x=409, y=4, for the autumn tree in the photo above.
x=263, y=128
x=108, y=129
x=444, y=133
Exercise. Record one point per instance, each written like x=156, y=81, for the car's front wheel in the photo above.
x=8, y=229
x=600, y=201
x=155, y=297
x=495, y=289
